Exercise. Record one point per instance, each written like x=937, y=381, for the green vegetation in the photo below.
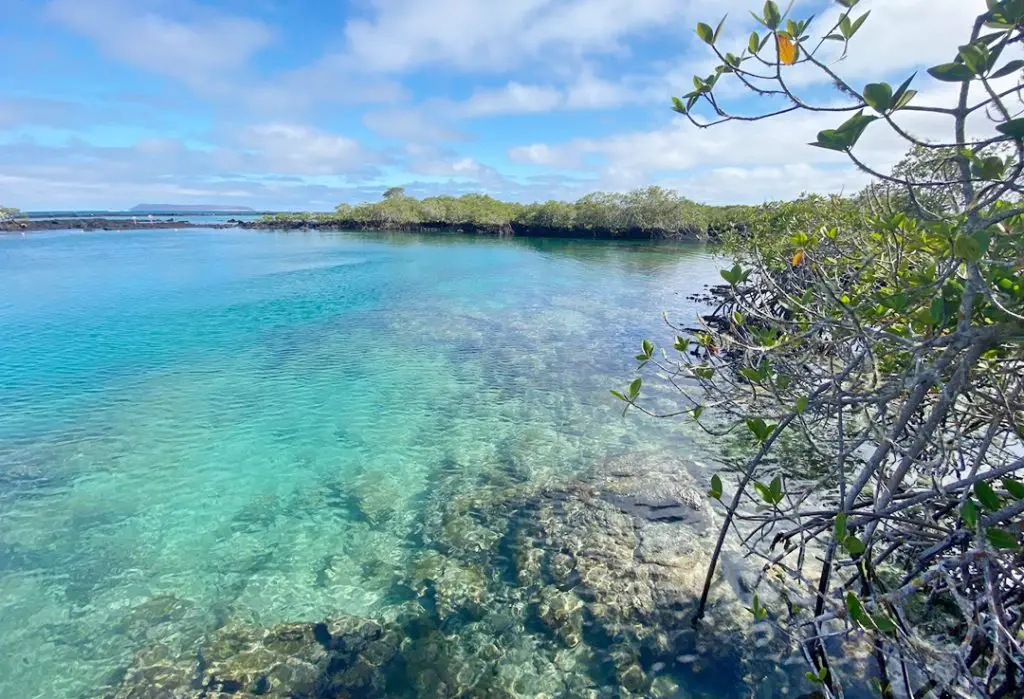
x=7, y=213
x=650, y=212
x=883, y=338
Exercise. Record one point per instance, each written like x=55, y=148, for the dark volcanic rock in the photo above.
x=504, y=229
x=99, y=224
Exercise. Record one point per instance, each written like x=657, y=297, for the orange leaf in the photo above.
x=788, y=51
x=798, y=258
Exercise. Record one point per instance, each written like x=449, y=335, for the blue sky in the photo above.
x=300, y=105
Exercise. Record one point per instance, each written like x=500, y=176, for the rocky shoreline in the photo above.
x=503, y=229
x=303, y=224
x=100, y=224
x=576, y=589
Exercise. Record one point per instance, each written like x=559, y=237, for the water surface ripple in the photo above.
x=252, y=424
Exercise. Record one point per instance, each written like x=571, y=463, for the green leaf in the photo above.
x=990, y=168
x=760, y=429
x=1014, y=487
x=859, y=23
x=846, y=26
x=848, y=3
x=682, y=345
x=735, y=275
x=706, y=33
x=1011, y=67
x=801, y=404
x=897, y=302
x=619, y=395
x=703, y=372
x=967, y=248
x=716, y=487
x=755, y=43
x=987, y=496
x=800, y=239
x=648, y=347
x=855, y=609
x=678, y=106
x=756, y=427
x=902, y=89
x=1013, y=128
x=883, y=623
x=1002, y=539
x=854, y=545
x=829, y=139
x=847, y=135
x=697, y=412
x=878, y=96
x=776, y=490
x=759, y=612
x=853, y=127
x=634, y=388
x=937, y=310
x=840, y=527
x=951, y=73
x=975, y=56
x=718, y=29
x=904, y=100
x=772, y=16
x=969, y=514
x=750, y=374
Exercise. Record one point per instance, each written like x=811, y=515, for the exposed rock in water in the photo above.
x=100, y=224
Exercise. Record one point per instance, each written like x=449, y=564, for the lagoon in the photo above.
x=207, y=427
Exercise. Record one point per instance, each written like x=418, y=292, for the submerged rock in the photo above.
x=562, y=612
x=580, y=588
x=457, y=586
x=156, y=674
x=280, y=661
x=343, y=657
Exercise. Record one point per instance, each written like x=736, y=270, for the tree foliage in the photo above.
x=8, y=213
x=885, y=345
x=654, y=210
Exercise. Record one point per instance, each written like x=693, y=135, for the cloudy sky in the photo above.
x=279, y=104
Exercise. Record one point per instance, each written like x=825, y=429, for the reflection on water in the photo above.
x=200, y=428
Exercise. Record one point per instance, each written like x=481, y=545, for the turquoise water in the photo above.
x=253, y=423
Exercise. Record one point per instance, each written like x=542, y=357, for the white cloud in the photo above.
x=203, y=53
x=303, y=150
x=212, y=53
x=767, y=159
x=514, y=98
x=480, y=35
x=585, y=91
x=587, y=51
x=411, y=124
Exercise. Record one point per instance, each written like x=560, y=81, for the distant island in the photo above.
x=181, y=208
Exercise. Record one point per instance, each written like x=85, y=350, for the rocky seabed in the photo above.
x=577, y=589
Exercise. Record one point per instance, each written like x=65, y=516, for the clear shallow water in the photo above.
x=253, y=424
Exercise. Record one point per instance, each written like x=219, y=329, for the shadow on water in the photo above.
x=628, y=255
